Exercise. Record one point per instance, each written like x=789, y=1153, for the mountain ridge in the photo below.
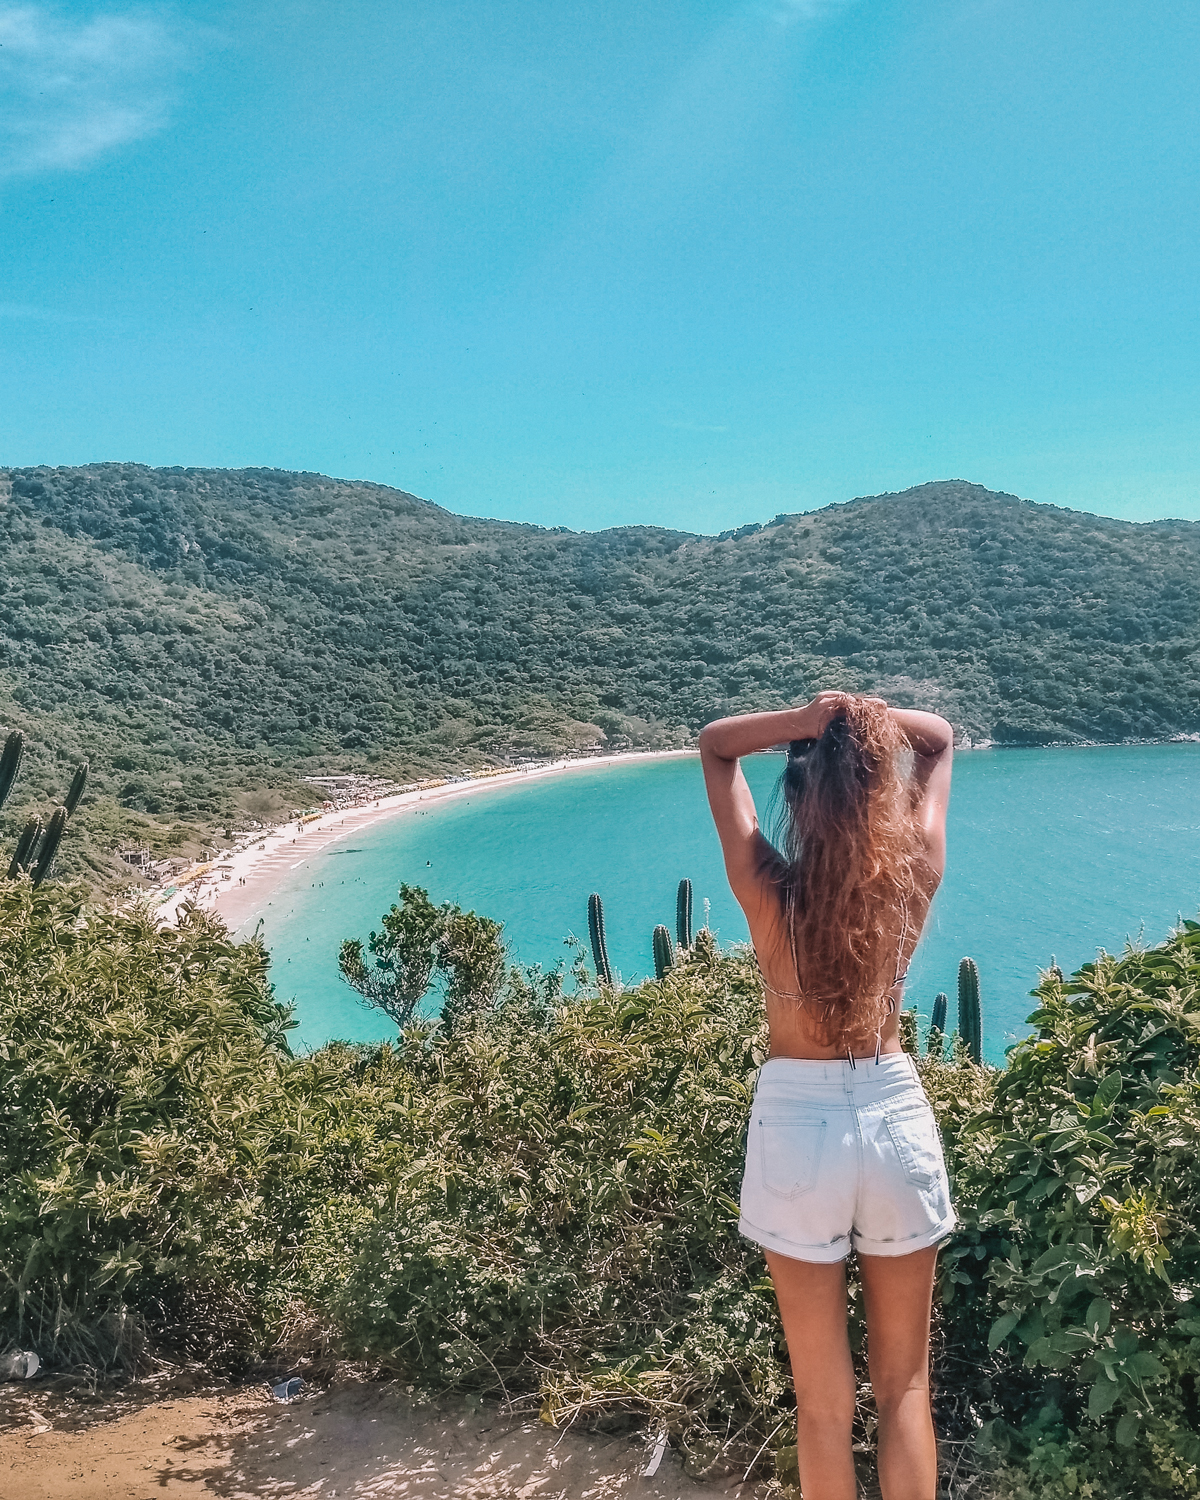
x=203, y=635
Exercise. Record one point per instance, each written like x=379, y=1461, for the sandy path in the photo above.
x=247, y=880
x=365, y=1441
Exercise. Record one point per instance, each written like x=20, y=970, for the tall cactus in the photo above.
x=935, y=1041
x=78, y=782
x=10, y=763
x=26, y=844
x=49, y=845
x=970, y=1015
x=37, y=844
x=664, y=959
x=596, y=933
x=683, y=914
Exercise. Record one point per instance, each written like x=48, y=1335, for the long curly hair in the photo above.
x=851, y=867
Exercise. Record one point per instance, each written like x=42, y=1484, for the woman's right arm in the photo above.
x=932, y=740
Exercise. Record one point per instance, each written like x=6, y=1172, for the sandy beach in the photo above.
x=238, y=886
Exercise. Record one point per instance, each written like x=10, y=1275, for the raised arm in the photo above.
x=932, y=740
x=722, y=744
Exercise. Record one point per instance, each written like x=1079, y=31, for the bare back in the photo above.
x=792, y=1033
x=752, y=863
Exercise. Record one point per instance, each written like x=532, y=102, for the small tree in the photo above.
x=419, y=943
x=473, y=957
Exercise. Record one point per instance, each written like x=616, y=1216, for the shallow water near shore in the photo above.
x=1052, y=852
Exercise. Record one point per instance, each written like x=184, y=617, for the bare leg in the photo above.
x=812, y=1303
x=898, y=1295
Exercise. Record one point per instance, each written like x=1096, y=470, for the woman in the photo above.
x=843, y=1151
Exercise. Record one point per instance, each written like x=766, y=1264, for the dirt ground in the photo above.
x=365, y=1441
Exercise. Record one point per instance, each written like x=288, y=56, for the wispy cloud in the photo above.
x=72, y=89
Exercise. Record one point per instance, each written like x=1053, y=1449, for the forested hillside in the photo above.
x=205, y=633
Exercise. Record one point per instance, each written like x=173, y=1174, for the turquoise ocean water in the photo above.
x=1051, y=852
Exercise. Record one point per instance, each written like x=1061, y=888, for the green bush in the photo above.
x=1079, y=1261
x=419, y=942
x=565, y=1221
x=150, y=1117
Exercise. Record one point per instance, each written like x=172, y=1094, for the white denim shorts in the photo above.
x=844, y=1155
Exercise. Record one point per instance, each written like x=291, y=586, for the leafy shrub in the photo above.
x=149, y=1115
x=1079, y=1263
x=565, y=1222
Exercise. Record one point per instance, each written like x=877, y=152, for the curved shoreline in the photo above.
x=238, y=886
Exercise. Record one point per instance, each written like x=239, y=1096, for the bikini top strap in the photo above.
x=902, y=975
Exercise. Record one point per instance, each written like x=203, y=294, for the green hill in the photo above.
x=204, y=634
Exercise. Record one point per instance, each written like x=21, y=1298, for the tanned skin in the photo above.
x=898, y=1290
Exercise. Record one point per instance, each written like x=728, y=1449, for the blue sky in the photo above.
x=589, y=264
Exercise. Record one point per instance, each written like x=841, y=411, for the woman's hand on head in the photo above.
x=825, y=706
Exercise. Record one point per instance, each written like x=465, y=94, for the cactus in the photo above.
x=50, y=843
x=935, y=1040
x=32, y=844
x=970, y=1016
x=664, y=958
x=908, y=1031
x=596, y=933
x=26, y=844
x=78, y=782
x=10, y=763
x=683, y=914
